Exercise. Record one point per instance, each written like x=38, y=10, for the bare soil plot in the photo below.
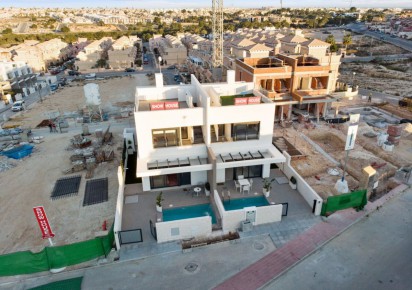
x=32, y=180
x=386, y=78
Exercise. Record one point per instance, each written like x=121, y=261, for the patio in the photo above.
x=280, y=193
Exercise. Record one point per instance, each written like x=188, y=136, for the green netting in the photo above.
x=69, y=284
x=355, y=199
x=230, y=100
x=55, y=257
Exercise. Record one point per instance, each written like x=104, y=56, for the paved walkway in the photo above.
x=279, y=261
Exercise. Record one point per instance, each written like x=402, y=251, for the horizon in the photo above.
x=186, y=4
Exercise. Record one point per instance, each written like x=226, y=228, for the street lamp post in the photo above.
x=160, y=67
x=353, y=79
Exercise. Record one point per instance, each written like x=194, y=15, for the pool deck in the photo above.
x=139, y=214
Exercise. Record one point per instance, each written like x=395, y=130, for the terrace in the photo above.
x=139, y=209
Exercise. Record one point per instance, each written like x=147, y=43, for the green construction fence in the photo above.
x=356, y=199
x=55, y=257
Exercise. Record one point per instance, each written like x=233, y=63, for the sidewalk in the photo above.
x=276, y=263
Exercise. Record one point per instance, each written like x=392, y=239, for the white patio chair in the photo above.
x=251, y=183
x=246, y=188
x=237, y=185
x=240, y=177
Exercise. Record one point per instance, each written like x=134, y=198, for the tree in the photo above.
x=347, y=39
x=352, y=9
x=33, y=26
x=65, y=29
x=333, y=46
x=7, y=31
x=100, y=23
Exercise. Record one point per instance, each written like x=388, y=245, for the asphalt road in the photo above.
x=382, y=96
x=361, y=28
x=373, y=254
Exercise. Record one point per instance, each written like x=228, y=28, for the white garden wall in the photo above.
x=303, y=187
x=183, y=229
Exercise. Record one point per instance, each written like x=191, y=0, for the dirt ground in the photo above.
x=390, y=78
x=331, y=138
x=31, y=181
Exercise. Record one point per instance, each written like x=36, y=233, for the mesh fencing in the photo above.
x=55, y=257
x=356, y=199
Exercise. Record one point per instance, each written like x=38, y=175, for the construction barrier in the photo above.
x=56, y=257
x=356, y=199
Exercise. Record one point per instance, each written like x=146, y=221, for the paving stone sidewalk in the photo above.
x=279, y=261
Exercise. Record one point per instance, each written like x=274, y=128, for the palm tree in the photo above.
x=347, y=39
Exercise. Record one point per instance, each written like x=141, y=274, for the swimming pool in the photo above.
x=187, y=212
x=239, y=203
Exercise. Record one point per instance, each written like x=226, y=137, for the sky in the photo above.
x=156, y=4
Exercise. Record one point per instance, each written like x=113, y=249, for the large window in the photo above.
x=170, y=180
x=234, y=132
x=177, y=136
x=248, y=171
x=245, y=131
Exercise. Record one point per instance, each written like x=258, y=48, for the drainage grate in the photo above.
x=96, y=191
x=65, y=187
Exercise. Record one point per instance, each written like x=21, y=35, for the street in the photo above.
x=361, y=28
x=373, y=254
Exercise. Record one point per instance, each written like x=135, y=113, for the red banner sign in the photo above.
x=43, y=222
x=157, y=106
x=171, y=105
x=241, y=101
x=253, y=100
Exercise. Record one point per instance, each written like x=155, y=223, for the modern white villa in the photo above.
x=217, y=133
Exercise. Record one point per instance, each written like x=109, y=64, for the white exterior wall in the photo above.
x=268, y=214
x=303, y=187
x=187, y=228
x=119, y=205
x=198, y=177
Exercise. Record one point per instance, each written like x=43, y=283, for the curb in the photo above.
x=370, y=208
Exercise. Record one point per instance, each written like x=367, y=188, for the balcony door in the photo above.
x=248, y=171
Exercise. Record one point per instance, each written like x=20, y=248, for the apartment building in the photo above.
x=302, y=81
x=170, y=48
x=123, y=52
x=30, y=54
x=92, y=52
x=16, y=77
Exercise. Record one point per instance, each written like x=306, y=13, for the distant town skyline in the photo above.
x=181, y=4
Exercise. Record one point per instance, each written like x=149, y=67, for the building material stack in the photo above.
x=394, y=133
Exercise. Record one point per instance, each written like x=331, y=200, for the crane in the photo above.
x=217, y=32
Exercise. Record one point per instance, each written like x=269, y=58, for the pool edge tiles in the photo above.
x=187, y=212
x=240, y=203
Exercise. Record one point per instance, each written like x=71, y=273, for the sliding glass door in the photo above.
x=170, y=180
x=248, y=171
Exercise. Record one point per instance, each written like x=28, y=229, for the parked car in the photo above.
x=91, y=76
x=18, y=106
x=404, y=121
x=172, y=67
x=73, y=73
x=129, y=69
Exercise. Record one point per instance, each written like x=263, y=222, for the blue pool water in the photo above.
x=187, y=212
x=239, y=203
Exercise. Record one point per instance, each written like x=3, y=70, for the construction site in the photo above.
x=69, y=168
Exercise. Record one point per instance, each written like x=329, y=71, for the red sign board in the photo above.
x=253, y=100
x=171, y=105
x=43, y=222
x=156, y=106
x=241, y=101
